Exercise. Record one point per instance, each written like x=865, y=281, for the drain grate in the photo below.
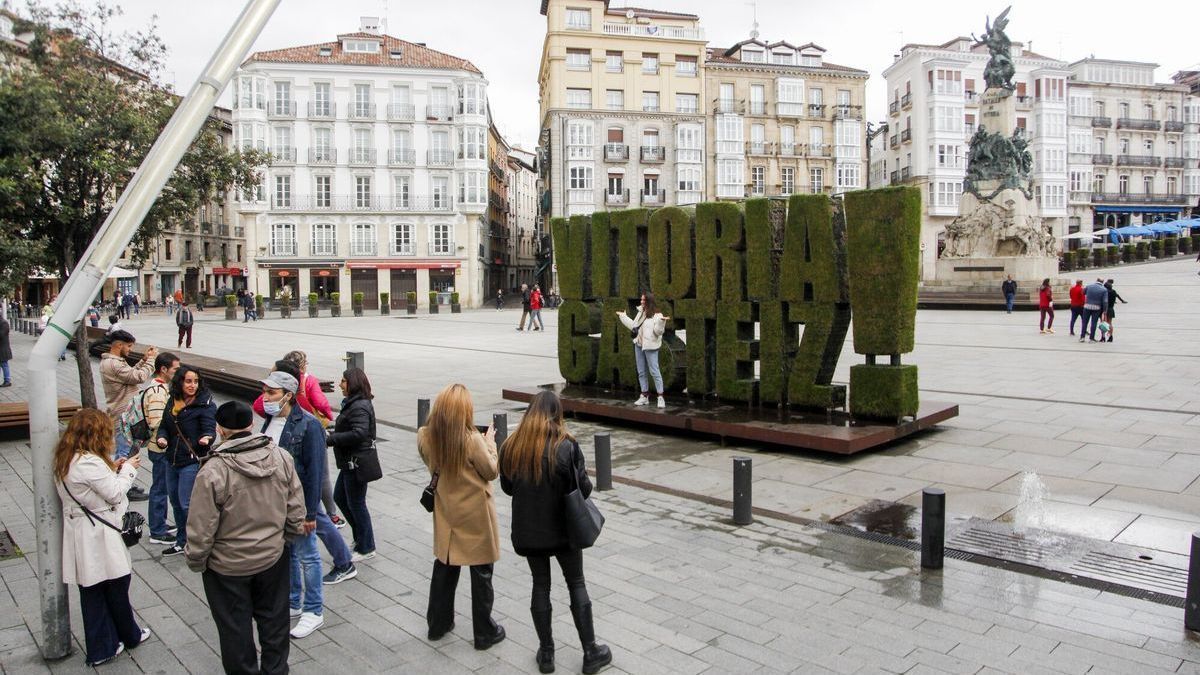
x=1141, y=573
x=8, y=547
x=1003, y=545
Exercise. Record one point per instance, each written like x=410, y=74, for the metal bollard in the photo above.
x=1191, y=607
x=933, y=528
x=500, y=421
x=422, y=411
x=355, y=360
x=743, y=513
x=603, y=461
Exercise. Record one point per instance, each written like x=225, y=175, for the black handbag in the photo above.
x=584, y=519
x=428, y=493
x=365, y=465
x=131, y=524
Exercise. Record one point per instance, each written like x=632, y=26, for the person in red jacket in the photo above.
x=1046, y=307
x=1076, y=303
x=535, y=309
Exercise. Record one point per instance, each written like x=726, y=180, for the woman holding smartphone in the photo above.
x=188, y=425
x=465, y=529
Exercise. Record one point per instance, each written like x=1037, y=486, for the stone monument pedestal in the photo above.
x=974, y=271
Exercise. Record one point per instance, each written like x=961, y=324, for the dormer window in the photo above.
x=360, y=46
x=783, y=58
x=325, y=51
x=752, y=56
x=811, y=60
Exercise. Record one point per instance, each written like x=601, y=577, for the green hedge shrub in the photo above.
x=883, y=236
x=720, y=242
x=884, y=392
x=1171, y=246
x=1142, y=250
x=670, y=229
x=231, y=300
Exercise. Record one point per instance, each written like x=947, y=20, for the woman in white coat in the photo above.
x=648, y=328
x=94, y=554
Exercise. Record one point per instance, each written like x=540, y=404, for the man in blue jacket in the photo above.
x=301, y=436
x=1095, y=302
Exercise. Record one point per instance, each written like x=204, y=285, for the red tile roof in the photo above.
x=412, y=55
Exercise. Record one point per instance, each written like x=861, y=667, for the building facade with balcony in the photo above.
x=783, y=121
x=379, y=173
x=530, y=264
x=622, y=119
x=1134, y=154
x=934, y=94
x=497, y=247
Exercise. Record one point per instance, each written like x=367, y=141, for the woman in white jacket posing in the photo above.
x=94, y=554
x=648, y=328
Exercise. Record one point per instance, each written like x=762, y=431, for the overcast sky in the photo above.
x=504, y=37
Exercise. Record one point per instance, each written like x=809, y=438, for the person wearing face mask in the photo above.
x=300, y=434
x=185, y=433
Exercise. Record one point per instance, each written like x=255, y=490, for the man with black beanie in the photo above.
x=247, y=505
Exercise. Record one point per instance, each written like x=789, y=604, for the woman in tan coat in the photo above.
x=465, y=529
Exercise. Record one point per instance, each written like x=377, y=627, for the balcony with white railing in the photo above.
x=653, y=30
x=362, y=111
x=281, y=109
x=402, y=157
x=283, y=155
x=439, y=157
x=401, y=112
x=654, y=197
x=362, y=157
x=322, y=156
x=439, y=113
x=322, y=110
x=616, y=197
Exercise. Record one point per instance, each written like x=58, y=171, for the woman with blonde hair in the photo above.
x=462, y=463
x=539, y=465
x=92, y=487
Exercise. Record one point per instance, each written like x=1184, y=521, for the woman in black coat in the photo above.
x=189, y=423
x=353, y=442
x=539, y=465
x=5, y=353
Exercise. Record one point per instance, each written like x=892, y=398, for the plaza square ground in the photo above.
x=1110, y=430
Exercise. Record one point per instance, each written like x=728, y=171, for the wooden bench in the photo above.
x=16, y=415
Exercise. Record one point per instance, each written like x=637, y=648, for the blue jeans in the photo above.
x=350, y=493
x=1008, y=301
x=1091, y=318
x=157, y=508
x=332, y=539
x=7, y=373
x=179, y=487
x=647, y=359
x=305, y=555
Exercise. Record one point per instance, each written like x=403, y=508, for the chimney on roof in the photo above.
x=369, y=24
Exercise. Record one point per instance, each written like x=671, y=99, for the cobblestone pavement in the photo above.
x=679, y=589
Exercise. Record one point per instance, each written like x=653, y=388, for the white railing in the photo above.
x=654, y=30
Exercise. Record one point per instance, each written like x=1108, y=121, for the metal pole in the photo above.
x=422, y=411
x=83, y=285
x=933, y=528
x=1191, y=608
x=743, y=513
x=355, y=360
x=500, y=421
x=603, y=443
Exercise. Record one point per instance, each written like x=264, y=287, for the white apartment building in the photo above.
x=379, y=174
x=1134, y=154
x=934, y=93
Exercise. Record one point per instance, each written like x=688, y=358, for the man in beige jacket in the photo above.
x=121, y=381
x=247, y=504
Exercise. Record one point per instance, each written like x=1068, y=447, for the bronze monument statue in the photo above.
x=999, y=70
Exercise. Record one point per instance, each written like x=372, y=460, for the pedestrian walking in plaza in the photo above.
x=169, y=302
x=184, y=321
x=1009, y=289
x=499, y=299
x=248, y=504
x=185, y=434
x=92, y=488
x=93, y=316
x=1076, y=303
x=535, y=309
x=127, y=305
x=1095, y=302
x=354, y=451
x=147, y=408
x=1046, y=307
x=462, y=463
x=539, y=465
x=525, y=309
x=137, y=303
x=6, y=354
x=648, y=328
x=120, y=382
x=1111, y=309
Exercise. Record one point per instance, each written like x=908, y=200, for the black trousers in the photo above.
x=108, y=618
x=263, y=597
x=440, y=615
x=571, y=564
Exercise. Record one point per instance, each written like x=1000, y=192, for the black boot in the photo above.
x=440, y=615
x=545, y=652
x=595, y=656
x=487, y=631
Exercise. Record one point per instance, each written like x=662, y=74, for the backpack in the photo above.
x=133, y=421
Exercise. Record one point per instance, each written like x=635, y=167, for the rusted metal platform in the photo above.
x=835, y=432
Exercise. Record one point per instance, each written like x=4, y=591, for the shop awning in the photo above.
x=1106, y=208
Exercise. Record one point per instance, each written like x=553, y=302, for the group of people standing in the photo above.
x=1095, y=306
x=531, y=308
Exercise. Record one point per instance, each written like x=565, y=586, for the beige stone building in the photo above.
x=622, y=118
x=782, y=120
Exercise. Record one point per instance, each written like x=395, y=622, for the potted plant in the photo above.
x=285, y=302
x=1114, y=255
x=1171, y=246
x=260, y=309
x=1099, y=256
x=231, y=307
x=356, y=303
x=1082, y=259
x=1156, y=248
x=335, y=304
x=1196, y=242
x=385, y=303
x=312, y=305
x=455, y=308
x=1142, y=251
x=433, y=306
x=1185, y=244
x=410, y=300
x=1127, y=251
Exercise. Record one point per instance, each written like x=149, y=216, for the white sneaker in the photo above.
x=295, y=612
x=642, y=400
x=359, y=557
x=662, y=402
x=307, y=624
